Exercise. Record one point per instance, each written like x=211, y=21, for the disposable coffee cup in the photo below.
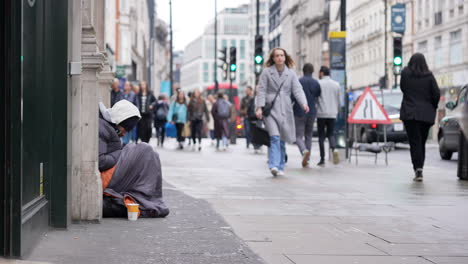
x=132, y=210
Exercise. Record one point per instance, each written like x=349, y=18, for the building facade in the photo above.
x=198, y=70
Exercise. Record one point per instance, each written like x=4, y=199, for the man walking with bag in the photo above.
x=305, y=121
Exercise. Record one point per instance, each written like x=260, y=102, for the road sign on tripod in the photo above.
x=368, y=110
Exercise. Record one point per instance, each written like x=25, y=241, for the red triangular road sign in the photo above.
x=368, y=110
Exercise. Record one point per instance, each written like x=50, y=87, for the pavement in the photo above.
x=226, y=208
x=346, y=213
x=192, y=233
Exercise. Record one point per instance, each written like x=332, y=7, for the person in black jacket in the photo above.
x=161, y=110
x=146, y=102
x=421, y=97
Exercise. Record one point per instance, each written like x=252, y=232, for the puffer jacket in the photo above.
x=110, y=146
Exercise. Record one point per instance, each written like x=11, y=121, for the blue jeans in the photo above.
x=247, y=131
x=276, y=153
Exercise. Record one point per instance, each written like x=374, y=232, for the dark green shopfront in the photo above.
x=34, y=181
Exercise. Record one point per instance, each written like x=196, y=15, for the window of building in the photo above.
x=262, y=18
x=242, y=67
x=224, y=43
x=233, y=43
x=242, y=49
x=422, y=47
x=456, y=49
x=242, y=76
x=438, y=52
x=206, y=76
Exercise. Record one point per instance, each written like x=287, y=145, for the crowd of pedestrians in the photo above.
x=281, y=109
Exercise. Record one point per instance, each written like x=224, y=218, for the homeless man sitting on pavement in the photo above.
x=131, y=174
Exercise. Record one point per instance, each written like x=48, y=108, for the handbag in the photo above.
x=186, y=130
x=266, y=110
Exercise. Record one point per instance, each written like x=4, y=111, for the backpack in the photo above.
x=161, y=112
x=224, y=109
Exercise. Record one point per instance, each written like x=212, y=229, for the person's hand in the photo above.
x=306, y=108
x=259, y=113
x=151, y=107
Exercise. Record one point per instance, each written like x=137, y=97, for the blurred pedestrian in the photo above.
x=328, y=107
x=178, y=116
x=210, y=123
x=146, y=102
x=116, y=93
x=131, y=97
x=421, y=97
x=136, y=91
x=276, y=86
x=160, y=110
x=221, y=113
x=305, y=122
x=245, y=104
x=197, y=112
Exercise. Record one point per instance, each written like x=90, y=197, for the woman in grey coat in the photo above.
x=280, y=122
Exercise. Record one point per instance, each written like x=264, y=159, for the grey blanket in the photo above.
x=138, y=174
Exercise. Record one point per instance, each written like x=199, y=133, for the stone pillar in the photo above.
x=86, y=180
x=106, y=77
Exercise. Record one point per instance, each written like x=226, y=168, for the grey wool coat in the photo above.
x=280, y=122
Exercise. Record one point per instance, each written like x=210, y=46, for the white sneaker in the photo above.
x=274, y=171
x=280, y=173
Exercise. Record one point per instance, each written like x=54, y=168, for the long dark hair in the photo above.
x=418, y=65
x=288, y=62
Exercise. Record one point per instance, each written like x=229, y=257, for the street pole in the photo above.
x=385, y=44
x=171, y=75
x=256, y=34
x=216, y=46
x=346, y=99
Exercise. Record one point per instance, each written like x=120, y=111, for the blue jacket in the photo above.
x=312, y=92
x=180, y=110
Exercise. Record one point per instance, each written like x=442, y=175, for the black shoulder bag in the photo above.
x=266, y=110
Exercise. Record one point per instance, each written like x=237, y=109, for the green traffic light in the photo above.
x=258, y=59
x=397, y=61
x=233, y=67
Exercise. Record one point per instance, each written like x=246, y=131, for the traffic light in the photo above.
x=397, y=52
x=224, y=64
x=258, y=57
x=233, y=62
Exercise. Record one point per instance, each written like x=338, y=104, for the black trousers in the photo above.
x=160, y=127
x=326, y=129
x=180, y=128
x=417, y=132
x=196, y=127
x=144, y=127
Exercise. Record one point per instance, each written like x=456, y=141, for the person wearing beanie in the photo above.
x=130, y=174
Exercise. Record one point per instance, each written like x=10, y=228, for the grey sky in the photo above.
x=191, y=16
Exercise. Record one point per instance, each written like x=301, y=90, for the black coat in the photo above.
x=421, y=96
x=150, y=100
x=110, y=146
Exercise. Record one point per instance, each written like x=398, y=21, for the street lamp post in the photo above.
x=171, y=75
x=216, y=46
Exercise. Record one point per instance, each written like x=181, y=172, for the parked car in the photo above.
x=368, y=133
x=453, y=134
x=450, y=134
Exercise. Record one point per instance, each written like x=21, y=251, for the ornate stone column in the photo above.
x=86, y=180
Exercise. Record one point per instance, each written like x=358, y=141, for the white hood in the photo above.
x=122, y=110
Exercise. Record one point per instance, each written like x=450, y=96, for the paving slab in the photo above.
x=308, y=259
